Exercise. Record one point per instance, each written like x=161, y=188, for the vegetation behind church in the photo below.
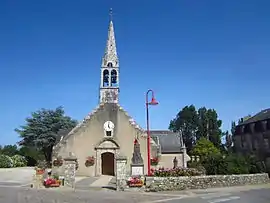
x=214, y=149
x=200, y=128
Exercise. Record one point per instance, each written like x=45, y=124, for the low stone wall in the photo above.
x=155, y=184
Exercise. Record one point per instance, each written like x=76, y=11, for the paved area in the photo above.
x=23, y=195
x=13, y=189
x=102, y=181
x=241, y=194
x=87, y=183
x=9, y=194
x=252, y=196
x=16, y=176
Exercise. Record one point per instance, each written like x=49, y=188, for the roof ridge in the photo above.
x=130, y=119
x=78, y=126
x=89, y=116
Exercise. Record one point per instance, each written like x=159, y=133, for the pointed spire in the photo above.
x=110, y=55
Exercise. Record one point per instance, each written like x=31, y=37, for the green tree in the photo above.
x=228, y=141
x=9, y=150
x=203, y=123
x=32, y=155
x=186, y=121
x=197, y=124
x=204, y=148
x=233, y=126
x=41, y=130
x=214, y=125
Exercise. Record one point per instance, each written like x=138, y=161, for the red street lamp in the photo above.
x=152, y=102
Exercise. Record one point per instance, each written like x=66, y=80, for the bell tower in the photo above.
x=109, y=78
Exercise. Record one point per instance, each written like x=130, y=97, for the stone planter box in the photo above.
x=155, y=184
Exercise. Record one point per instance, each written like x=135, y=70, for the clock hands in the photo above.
x=108, y=126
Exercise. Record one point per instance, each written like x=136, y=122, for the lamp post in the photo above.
x=147, y=103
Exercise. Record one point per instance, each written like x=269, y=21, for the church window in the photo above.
x=105, y=78
x=108, y=133
x=110, y=65
x=114, y=78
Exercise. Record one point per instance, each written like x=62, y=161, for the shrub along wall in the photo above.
x=155, y=184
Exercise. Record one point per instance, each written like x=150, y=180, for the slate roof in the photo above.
x=262, y=115
x=169, y=141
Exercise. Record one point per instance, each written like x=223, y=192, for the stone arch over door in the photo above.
x=105, y=150
x=107, y=163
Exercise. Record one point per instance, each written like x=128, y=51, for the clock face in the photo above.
x=108, y=126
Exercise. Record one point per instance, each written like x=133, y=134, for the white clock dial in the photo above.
x=108, y=126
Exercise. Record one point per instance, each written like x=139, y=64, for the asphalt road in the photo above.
x=250, y=196
x=10, y=194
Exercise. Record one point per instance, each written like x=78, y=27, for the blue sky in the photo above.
x=207, y=53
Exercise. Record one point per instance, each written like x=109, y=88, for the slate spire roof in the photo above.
x=110, y=54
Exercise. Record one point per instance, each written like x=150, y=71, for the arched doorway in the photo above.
x=107, y=163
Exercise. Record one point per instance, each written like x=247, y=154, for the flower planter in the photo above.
x=90, y=161
x=40, y=171
x=55, y=185
x=136, y=185
x=50, y=182
x=154, y=161
x=58, y=162
x=135, y=182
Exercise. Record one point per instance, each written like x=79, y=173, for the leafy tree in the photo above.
x=42, y=129
x=196, y=124
x=204, y=148
x=233, y=126
x=228, y=140
x=9, y=150
x=203, y=123
x=214, y=125
x=186, y=121
x=31, y=154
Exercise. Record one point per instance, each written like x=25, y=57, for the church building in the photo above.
x=109, y=132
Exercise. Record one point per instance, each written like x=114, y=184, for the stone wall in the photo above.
x=155, y=184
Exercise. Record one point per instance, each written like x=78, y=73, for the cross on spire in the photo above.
x=111, y=14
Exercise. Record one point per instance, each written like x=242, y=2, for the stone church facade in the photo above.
x=109, y=132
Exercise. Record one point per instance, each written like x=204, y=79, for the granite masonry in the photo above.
x=121, y=174
x=155, y=184
x=70, y=171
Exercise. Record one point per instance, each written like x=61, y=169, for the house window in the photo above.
x=255, y=144
x=243, y=142
x=266, y=143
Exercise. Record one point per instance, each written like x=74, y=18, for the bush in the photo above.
x=5, y=161
x=215, y=165
x=198, y=166
x=176, y=172
x=19, y=161
x=218, y=164
x=237, y=164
